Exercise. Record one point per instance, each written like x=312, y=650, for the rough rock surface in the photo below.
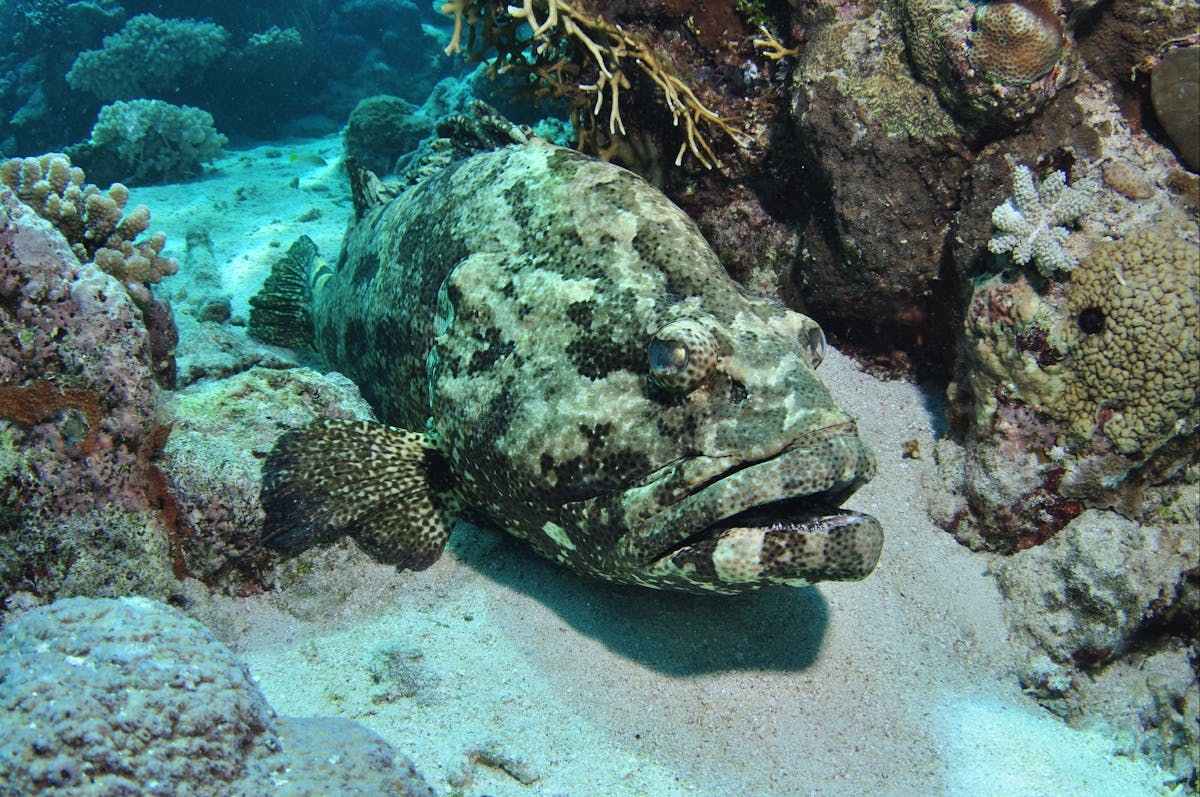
x=128, y=696
x=1109, y=611
x=221, y=431
x=883, y=162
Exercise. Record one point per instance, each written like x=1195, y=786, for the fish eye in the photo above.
x=682, y=356
x=814, y=340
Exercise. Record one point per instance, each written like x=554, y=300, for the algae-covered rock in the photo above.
x=882, y=164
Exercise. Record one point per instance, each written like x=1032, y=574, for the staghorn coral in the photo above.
x=94, y=223
x=1033, y=221
x=149, y=57
x=1131, y=327
x=569, y=43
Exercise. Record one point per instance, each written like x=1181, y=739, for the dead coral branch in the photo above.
x=565, y=35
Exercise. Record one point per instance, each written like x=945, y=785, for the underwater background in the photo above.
x=990, y=208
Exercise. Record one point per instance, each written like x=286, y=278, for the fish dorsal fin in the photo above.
x=280, y=312
x=366, y=190
x=387, y=488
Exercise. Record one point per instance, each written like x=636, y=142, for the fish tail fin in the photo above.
x=389, y=489
x=280, y=313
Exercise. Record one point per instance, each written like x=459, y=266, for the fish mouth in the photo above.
x=775, y=521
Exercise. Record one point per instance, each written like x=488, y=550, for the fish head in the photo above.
x=621, y=403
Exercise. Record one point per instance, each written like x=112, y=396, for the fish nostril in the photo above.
x=737, y=392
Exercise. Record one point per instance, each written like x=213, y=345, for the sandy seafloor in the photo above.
x=495, y=667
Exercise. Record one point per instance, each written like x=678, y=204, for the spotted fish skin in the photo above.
x=593, y=380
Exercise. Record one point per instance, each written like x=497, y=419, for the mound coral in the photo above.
x=569, y=43
x=1132, y=321
x=1033, y=222
x=995, y=66
x=94, y=222
x=1019, y=42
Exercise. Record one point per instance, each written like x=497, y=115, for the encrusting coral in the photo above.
x=1033, y=222
x=94, y=222
x=569, y=42
x=1131, y=327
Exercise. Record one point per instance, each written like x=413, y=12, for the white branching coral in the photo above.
x=1033, y=222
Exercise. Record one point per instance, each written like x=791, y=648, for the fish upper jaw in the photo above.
x=718, y=524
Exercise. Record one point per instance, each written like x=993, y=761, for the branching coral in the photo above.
x=1033, y=221
x=145, y=141
x=94, y=222
x=569, y=43
x=149, y=57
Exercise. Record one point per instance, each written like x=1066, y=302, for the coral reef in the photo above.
x=1033, y=221
x=78, y=431
x=996, y=66
x=149, y=57
x=569, y=43
x=94, y=223
x=148, y=141
x=381, y=129
x=1081, y=393
x=147, y=701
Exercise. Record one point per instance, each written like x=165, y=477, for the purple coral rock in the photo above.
x=55, y=315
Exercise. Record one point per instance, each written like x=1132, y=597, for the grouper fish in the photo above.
x=555, y=350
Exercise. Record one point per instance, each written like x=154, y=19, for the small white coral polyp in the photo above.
x=1033, y=221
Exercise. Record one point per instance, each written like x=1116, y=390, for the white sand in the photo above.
x=898, y=685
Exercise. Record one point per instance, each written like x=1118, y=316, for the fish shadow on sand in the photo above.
x=674, y=633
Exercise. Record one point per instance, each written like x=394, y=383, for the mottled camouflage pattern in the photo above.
x=508, y=304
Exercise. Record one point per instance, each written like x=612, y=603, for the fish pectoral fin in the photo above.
x=387, y=488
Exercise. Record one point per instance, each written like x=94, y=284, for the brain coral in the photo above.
x=1017, y=41
x=1131, y=329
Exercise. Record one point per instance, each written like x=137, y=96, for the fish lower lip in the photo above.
x=772, y=522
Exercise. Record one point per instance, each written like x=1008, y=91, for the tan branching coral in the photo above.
x=94, y=222
x=568, y=43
